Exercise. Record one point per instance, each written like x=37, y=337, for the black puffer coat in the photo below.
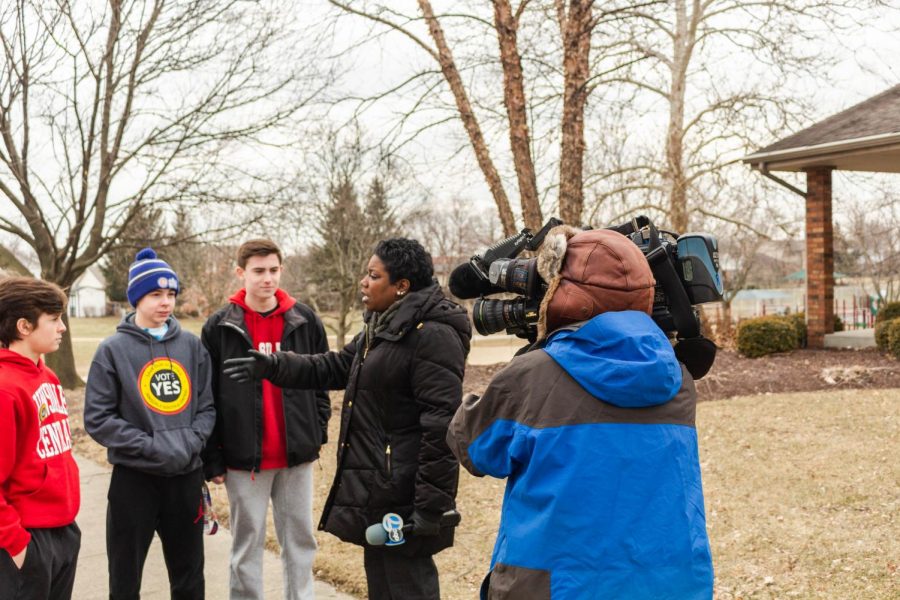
x=401, y=393
x=236, y=442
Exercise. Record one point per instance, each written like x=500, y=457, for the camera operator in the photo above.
x=594, y=430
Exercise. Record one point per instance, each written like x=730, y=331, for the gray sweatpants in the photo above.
x=291, y=492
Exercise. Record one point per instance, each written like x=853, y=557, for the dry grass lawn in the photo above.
x=802, y=497
x=803, y=494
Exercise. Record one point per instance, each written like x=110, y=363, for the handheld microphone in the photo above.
x=465, y=282
x=378, y=534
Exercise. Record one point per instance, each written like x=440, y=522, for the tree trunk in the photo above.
x=341, y=333
x=726, y=311
x=514, y=97
x=676, y=179
x=63, y=360
x=473, y=129
x=576, y=34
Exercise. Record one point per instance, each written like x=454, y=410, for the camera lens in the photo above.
x=515, y=275
x=491, y=316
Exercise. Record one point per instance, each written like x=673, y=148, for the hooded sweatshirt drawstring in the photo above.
x=165, y=346
x=166, y=351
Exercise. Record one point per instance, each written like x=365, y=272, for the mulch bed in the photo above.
x=798, y=371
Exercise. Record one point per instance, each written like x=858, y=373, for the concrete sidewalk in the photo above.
x=92, y=579
x=855, y=338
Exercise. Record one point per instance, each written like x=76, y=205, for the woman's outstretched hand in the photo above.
x=255, y=366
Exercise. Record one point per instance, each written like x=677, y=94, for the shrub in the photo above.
x=893, y=335
x=766, y=335
x=798, y=328
x=798, y=321
x=881, y=334
x=838, y=323
x=888, y=311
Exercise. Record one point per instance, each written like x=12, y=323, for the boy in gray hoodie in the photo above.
x=149, y=402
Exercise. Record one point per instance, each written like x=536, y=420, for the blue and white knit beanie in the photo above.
x=148, y=273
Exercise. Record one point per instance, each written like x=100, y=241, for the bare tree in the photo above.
x=452, y=232
x=206, y=271
x=11, y=256
x=108, y=108
x=739, y=256
x=576, y=22
x=687, y=55
x=871, y=232
x=562, y=78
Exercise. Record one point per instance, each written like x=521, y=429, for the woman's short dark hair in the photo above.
x=406, y=259
x=26, y=298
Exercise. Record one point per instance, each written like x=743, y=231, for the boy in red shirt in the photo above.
x=266, y=438
x=39, y=485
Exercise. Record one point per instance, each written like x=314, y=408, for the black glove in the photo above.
x=255, y=366
x=425, y=526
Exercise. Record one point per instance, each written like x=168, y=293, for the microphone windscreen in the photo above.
x=466, y=283
x=376, y=535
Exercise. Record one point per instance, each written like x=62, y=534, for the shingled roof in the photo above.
x=864, y=137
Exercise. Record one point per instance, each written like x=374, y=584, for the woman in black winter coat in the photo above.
x=403, y=379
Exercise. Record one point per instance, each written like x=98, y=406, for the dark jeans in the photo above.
x=49, y=569
x=141, y=504
x=391, y=576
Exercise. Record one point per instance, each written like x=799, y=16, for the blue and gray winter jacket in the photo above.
x=595, y=435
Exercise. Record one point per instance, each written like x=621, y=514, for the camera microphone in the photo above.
x=465, y=282
x=379, y=534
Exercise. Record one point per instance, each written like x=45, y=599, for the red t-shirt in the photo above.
x=39, y=484
x=266, y=333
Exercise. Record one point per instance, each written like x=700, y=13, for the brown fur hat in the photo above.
x=589, y=273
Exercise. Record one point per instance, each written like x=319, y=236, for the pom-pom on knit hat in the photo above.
x=148, y=273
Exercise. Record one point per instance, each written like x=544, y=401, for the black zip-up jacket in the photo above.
x=236, y=442
x=401, y=393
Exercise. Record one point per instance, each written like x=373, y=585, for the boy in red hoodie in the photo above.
x=266, y=438
x=39, y=485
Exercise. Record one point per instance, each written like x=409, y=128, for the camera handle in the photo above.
x=682, y=313
x=664, y=271
x=534, y=242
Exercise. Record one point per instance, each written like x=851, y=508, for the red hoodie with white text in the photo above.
x=38, y=476
x=266, y=333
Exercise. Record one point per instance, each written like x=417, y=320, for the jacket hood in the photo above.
x=128, y=326
x=622, y=358
x=427, y=304
x=16, y=361
x=285, y=301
